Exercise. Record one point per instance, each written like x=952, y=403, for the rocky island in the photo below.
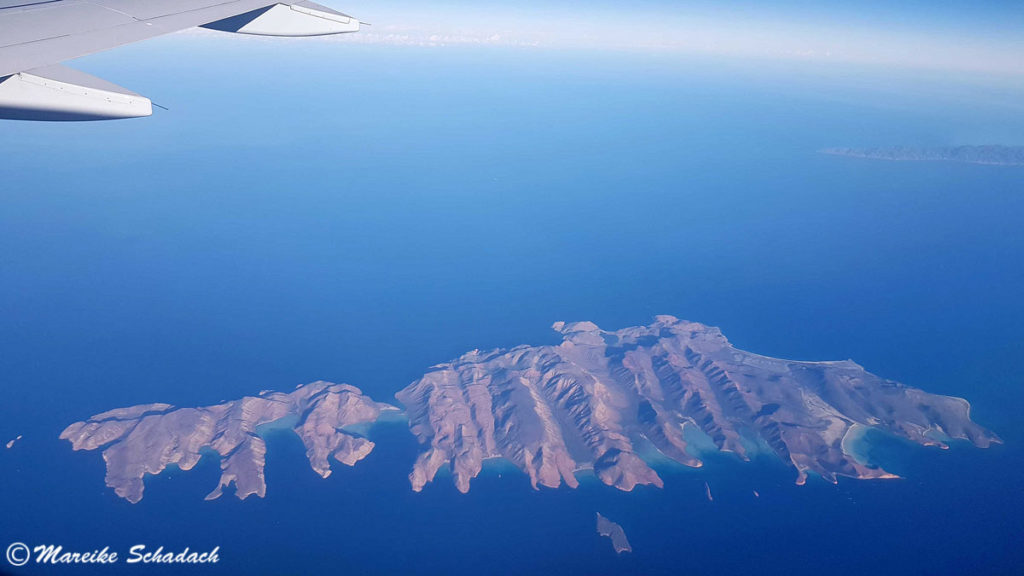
x=991, y=154
x=613, y=532
x=594, y=400
x=602, y=401
x=145, y=439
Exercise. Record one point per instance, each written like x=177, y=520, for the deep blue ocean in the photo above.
x=360, y=213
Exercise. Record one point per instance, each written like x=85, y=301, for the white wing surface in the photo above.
x=37, y=35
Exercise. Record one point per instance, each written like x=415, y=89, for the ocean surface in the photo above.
x=360, y=213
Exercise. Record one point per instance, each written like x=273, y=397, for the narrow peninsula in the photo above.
x=145, y=439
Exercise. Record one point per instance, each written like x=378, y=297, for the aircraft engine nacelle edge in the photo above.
x=298, y=19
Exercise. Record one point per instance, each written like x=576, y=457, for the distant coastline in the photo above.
x=993, y=155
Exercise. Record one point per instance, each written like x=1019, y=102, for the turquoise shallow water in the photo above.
x=461, y=199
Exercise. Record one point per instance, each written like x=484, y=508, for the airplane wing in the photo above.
x=37, y=35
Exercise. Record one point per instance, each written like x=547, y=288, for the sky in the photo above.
x=942, y=36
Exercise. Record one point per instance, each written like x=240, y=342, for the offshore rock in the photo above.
x=613, y=532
